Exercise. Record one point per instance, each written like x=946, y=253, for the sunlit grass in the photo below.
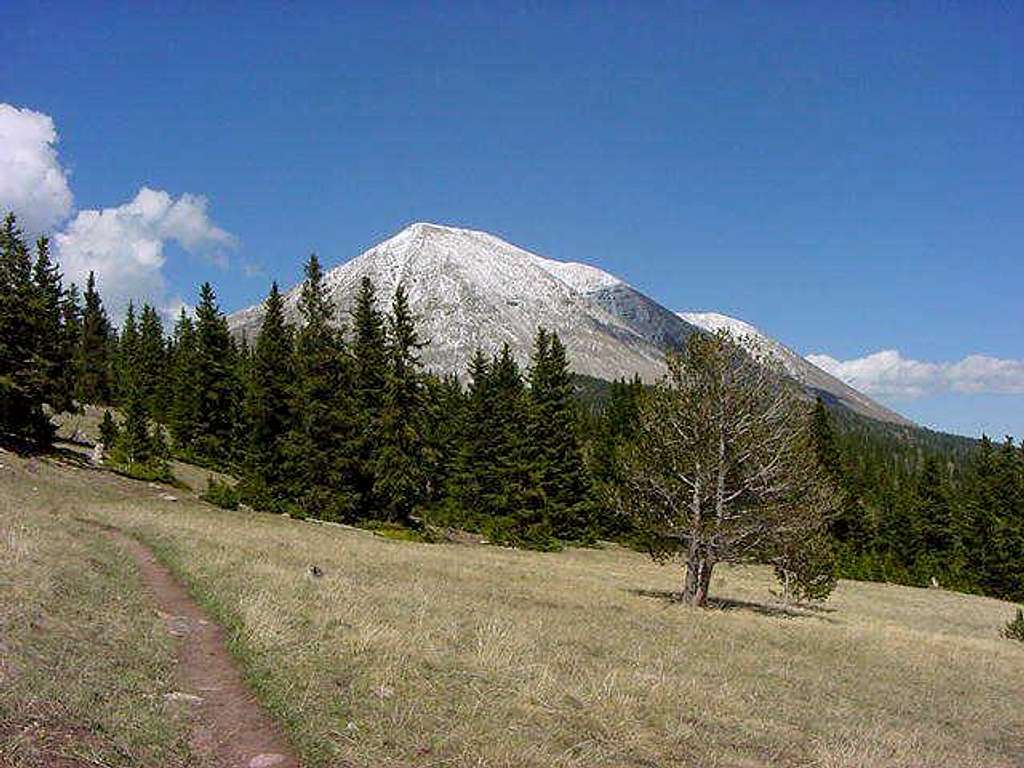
x=415, y=654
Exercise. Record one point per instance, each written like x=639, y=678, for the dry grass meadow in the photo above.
x=407, y=654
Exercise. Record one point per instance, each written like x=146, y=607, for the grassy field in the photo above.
x=406, y=654
x=84, y=659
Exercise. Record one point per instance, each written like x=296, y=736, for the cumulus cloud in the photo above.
x=32, y=182
x=125, y=246
x=888, y=373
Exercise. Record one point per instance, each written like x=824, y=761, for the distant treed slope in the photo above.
x=471, y=289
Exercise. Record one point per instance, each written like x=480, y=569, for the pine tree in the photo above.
x=184, y=377
x=369, y=362
x=512, y=492
x=399, y=478
x=555, y=444
x=151, y=360
x=50, y=351
x=267, y=406
x=70, y=341
x=94, y=364
x=25, y=371
x=216, y=383
x=475, y=462
x=444, y=418
x=319, y=445
x=126, y=365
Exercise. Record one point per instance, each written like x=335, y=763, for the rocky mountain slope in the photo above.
x=471, y=289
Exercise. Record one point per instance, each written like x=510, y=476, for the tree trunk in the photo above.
x=698, y=579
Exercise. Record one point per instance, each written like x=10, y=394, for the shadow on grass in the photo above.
x=776, y=610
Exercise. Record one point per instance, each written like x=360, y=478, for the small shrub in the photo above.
x=108, y=431
x=394, y=531
x=1014, y=630
x=220, y=494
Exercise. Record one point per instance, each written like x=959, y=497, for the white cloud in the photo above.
x=125, y=246
x=32, y=182
x=888, y=373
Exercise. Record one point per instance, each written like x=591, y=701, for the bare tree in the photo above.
x=723, y=468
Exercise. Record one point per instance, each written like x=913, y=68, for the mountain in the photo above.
x=471, y=289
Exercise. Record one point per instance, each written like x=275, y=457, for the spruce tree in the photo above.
x=319, y=444
x=399, y=477
x=216, y=382
x=475, y=462
x=126, y=366
x=513, y=493
x=185, y=398
x=70, y=340
x=94, y=364
x=555, y=444
x=444, y=418
x=151, y=359
x=50, y=351
x=369, y=370
x=267, y=406
x=25, y=371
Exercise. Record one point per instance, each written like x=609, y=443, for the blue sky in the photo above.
x=848, y=177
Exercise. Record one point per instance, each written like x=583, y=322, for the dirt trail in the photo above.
x=230, y=728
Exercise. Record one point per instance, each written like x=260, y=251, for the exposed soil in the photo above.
x=230, y=728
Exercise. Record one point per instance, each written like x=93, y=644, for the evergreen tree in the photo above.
x=185, y=382
x=319, y=446
x=216, y=382
x=444, y=415
x=25, y=372
x=398, y=470
x=94, y=364
x=46, y=314
x=70, y=341
x=126, y=367
x=267, y=406
x=475, y=462
x=513, y=493
x=151, y=359
x=369, y=363
x=555, y=444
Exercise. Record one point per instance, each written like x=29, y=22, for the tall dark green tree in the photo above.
x=444, y=418
x=53, y=355
x=185, y=395
x=555, y=444
x=267, y=405
x=369, y=373
x=515, y=495
x=400, y=482
x=126, y=364
x=94, y=353
x=216, y=380
x=25, y=371
x=152, y=364
x=319, y=444
x=70, y=341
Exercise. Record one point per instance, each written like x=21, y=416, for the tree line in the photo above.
x=345, y=424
